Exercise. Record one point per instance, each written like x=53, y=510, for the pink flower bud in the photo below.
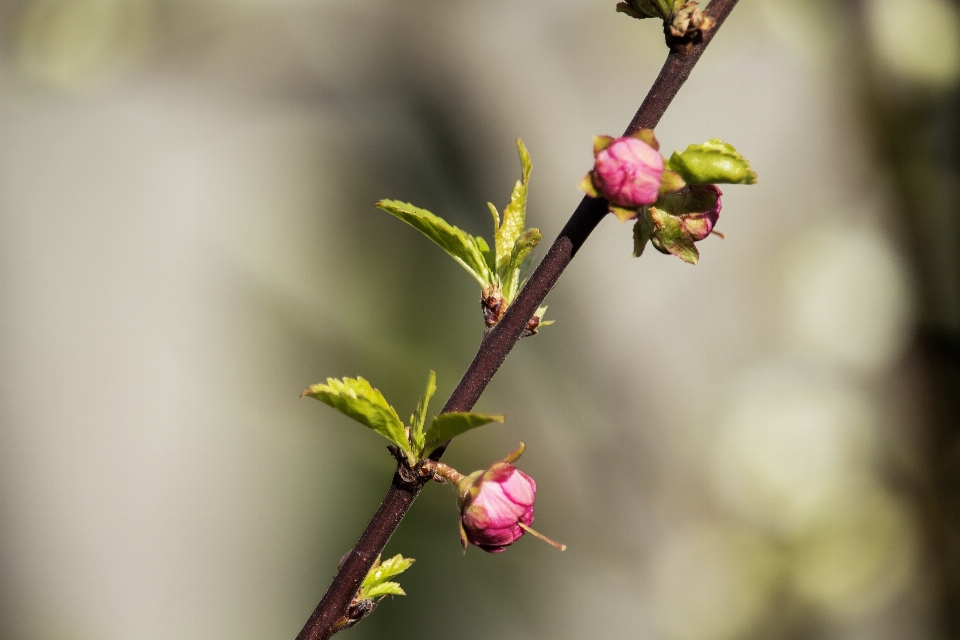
x=628, y=172
x=495, y=506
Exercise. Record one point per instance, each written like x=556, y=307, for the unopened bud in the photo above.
x=627, y=172
x=496, y=504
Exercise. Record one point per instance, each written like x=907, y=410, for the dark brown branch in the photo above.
x=499, y=341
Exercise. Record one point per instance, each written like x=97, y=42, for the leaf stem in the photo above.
x=499, y=341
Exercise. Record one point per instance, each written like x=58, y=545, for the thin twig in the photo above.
x=499, y=341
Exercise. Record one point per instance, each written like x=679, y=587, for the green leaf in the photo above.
x=376, y=581
x=418, y=419
x=384, y=589
x=521, y=249
x=447, y=426
x=514, y=217
x=387, y=569
x=641, y=9
x=713, y=162
x=489, y=258
x=496, y=219
x=463, y=247
x=525, y=164
x=623, y=7
x=649, y=8
x=356, y=398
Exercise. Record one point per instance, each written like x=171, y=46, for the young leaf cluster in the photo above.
x=375, y=587
x=356, y=398
x=377, y=583
x=498, y=270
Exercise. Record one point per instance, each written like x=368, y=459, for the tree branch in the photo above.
x=499, y=341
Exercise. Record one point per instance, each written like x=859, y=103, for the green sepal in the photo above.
x=355, y=398
x=463, y=537
x=587, y=186
x=623, y=214
x=462, y=247
x=467, y=483
x=419, y=418
x=713, y=162
x=377, y=584
x=447, y=426
x=647, y=135
x=671, y=182
x=671, y=237
x=514, y=455
x=600, y=143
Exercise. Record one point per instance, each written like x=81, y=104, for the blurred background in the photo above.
x=764, y=446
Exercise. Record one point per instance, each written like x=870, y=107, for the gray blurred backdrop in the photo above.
x=762, y=446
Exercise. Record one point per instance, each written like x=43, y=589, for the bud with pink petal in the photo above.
x=496, y=504
x=627, y=172
x=676, y=203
